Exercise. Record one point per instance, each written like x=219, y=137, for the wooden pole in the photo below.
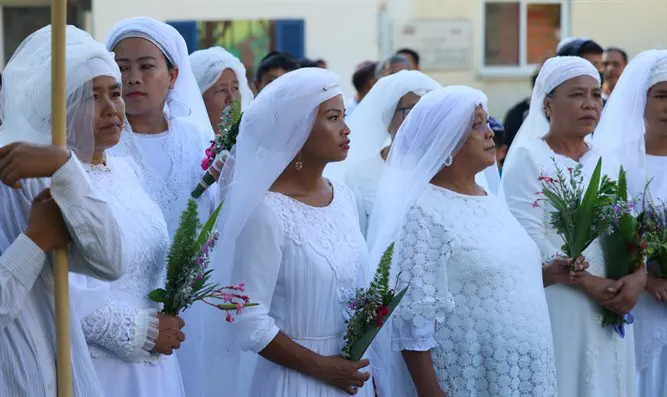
x=59, y=127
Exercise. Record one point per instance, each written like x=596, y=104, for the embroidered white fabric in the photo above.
x=475, y=298
x=117, y=317
x=300, y=263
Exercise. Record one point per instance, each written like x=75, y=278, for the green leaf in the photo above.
x=627, y=226
x=585, y=213
x=157, y=295
x=360, y=346
x=208, y=227
x=617, y=259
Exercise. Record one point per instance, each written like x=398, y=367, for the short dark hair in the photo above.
x=533, y=78
x=590, y=47
x=410, y=52
x=276, y=60
x=307, y=63
x=624, y=54
x=363, y=75
x=580, y=47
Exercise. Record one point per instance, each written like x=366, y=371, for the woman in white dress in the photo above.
x=167, y=128
x=293, y=237
x=474, y=321
x=221, y=78
x=123, y=330
x=27, y=317
x=633, y=129
x=565, y=107
x=374, y=124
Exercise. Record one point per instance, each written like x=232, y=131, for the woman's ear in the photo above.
x=173, y=75
x=547, y=107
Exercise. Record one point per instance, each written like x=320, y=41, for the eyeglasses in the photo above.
x=405, y=111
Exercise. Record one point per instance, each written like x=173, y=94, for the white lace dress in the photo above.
x=591, y=361
x=118, y=320
x=475, y=298
x=300, y=263
x=171, y=169
x=651, y=315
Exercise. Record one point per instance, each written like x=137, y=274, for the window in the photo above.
x=521, y=34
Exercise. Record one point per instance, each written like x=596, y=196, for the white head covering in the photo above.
x=369, y=124
x=554, y=72
x=621, y=129
x=184, y=100
x=26, y=90
x=434, y=131
x=209, y=64
x=273, y=130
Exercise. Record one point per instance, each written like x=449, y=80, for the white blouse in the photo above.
x=475, y=297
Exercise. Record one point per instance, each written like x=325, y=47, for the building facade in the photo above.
x=493, y=45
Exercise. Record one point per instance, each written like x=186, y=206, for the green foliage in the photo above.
x=182, y=250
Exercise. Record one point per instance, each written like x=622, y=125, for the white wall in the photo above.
x=342, y=32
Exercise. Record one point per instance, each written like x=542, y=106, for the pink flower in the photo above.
x=230, y=318
x=238, y=287
x=239, y=308
x=227, y=297
x=570, y=169
x=206, y=163
x=546, y=179
x=535, y=204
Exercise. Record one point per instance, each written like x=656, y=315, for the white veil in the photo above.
x=554, y=72
x=621, y=130
x=26, y=90
x=209, y=64
x=273, y=130
x=370, y=121
x=434, y=130
x=184, y=100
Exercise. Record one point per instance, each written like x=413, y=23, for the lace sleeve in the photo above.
x=128, y=333
x=520, y=186
x=423, y=251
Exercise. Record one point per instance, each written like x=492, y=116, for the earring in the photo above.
x=448, y=161
x=299, y=165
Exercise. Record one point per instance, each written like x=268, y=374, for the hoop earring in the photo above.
x=299, y=165
x=448, y=161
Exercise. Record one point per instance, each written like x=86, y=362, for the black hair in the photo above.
x=533, y=78
x=590, y=47
x=363, y=75
x=276, y=60
x=307, y=63
x=624, y=54
x=580, y=47
x=170, y=65
x=410, y=52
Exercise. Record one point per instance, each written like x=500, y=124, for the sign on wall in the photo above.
x=442, y=44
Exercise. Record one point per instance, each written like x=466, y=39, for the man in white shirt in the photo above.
x=29, y=230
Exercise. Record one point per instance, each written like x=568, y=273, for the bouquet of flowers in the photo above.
x=370, y=309
x=655, y=222
x=188, y=274
x=624, y=247
x=224, y=141
x=578, y=217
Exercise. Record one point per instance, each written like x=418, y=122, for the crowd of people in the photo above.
x=315, y=189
